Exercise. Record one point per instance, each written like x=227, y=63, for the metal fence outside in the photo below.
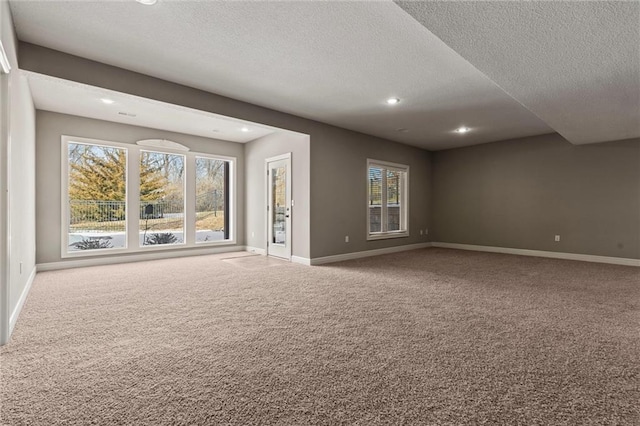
x=96, y=211
x=100, y=215
x=110, y=215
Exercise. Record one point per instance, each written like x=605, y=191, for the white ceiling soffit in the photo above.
x=335, y=62
x=576, y=64
x=67, y=97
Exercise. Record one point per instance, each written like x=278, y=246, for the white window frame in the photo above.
x=404, y=203
x=65, y=211
x=232, y=197
x=132, y=222
x=166, y=151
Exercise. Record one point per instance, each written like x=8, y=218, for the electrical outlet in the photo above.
x=426, y=232
x=253, y=234
x=421, y=232
x=346, y=238
x=557, y=238
x=20, y=268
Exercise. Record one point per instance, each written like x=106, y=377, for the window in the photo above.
x=161, y=198
x=96, y=210
x=388, y=200
x=121, y=197
x=212, y=199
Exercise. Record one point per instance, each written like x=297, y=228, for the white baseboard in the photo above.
x=367, y=253
x=23, y=297
x=156, y=255
x=540, y=253
x=301, y=260
x=256, y=250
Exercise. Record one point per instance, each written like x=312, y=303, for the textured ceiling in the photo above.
x=334, y=62
x=67, y=97
x=576, y=65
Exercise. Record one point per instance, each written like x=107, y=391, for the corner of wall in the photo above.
x=17, y=170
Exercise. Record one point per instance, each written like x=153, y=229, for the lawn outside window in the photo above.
x=388, y=200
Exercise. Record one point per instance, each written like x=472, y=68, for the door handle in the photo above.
x=286, y=215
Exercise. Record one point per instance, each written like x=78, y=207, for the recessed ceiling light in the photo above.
x=216, y=131
x=462, y=129
x=147, y=2
x=128, y=114
x=244, y=129
x=107, y=101
x=393, y=101
x=402, y=130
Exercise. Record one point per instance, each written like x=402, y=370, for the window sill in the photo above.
x=145, y=249
x=387, y=235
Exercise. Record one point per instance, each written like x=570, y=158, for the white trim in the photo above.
x=5, y=219
x=256, y=250
x=233, y=194
x=301, y=260
x=112, y=260
x=286, y=157
x=387, y=164
x=387, y=235
x=64, y=191
x=404, y=205
x=135, y=191
x=367, y=253
x=539, y=253
x=23, y=297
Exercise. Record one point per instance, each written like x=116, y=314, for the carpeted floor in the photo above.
x=431, y=336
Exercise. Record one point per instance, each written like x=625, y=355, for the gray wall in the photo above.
x=520, y=193
x=17, y=177
x=337, y=155
x=516, y=193
x=256, y=152
x=51, y=126
x=339, y=191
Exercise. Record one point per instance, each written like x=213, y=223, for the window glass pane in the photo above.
x=375, y=199
x=279, y=203
x=211, y=200
x=97, y=197
x=394, y=194
x=161, y=198
x=387, y=202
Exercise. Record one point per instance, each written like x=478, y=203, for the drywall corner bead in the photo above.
x=4, y=61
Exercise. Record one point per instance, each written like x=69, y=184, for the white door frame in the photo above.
x=286, y=252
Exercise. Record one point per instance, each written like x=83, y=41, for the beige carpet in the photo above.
x=431, y=336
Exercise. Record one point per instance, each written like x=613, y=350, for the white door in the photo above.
x=279, y=206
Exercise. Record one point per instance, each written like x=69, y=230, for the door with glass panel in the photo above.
x=279, y=206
